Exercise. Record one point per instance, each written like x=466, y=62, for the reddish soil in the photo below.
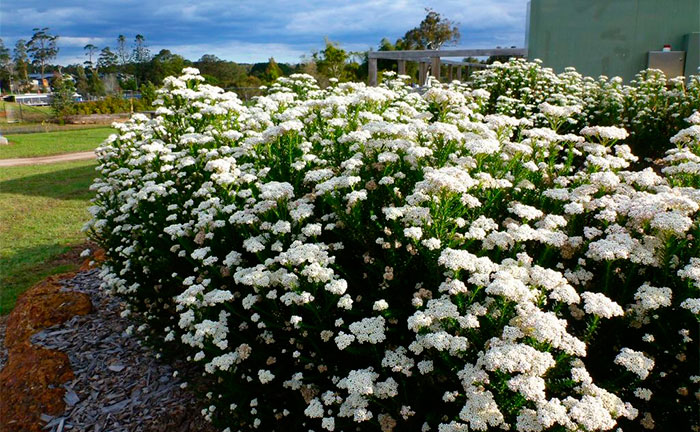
x=31, y=382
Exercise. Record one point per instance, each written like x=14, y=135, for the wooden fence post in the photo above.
x=459, y=73
x=435, y=67
x=372, y=71
x=422, y=73
x=402, y=67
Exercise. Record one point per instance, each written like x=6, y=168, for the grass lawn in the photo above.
x=25, y=127
x=52, y=143
x=42, y=209
x=27, y=113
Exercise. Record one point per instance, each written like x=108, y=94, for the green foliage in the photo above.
x=331, y=61
x=95, y=84
x=435, y=258
x=651, y=107
x=148, y=93
x=107, y=61
x=272, y=71
x=90, y=51
x=6, y=67
x=42, y=47
x=163, y=64
x=81, y=81
x=109, y=105
x=227, y=73
x=62, y=98
x=432, y=33
x=21, y=60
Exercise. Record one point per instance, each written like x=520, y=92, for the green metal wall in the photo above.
x=611, y=37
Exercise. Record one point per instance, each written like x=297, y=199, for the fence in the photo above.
x=17, y=112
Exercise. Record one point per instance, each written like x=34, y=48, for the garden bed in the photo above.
x=109, y=380
x=482, y=256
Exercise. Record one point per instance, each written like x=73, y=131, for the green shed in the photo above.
x=615, y=37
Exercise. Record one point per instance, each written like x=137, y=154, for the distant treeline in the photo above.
x=129, y=66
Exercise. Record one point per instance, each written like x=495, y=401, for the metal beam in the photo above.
x=420, y=54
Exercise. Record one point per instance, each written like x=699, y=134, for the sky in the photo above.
x=248, y=31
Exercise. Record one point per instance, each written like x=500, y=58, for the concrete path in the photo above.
x=47, y=159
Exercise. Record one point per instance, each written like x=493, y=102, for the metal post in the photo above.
x=435, y=67
x=402, y=67
x=372, y=71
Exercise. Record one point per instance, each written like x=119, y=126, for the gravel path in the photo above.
x=48, y=159
x=119, y=384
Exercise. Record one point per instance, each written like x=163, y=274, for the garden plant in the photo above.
x=479, y=256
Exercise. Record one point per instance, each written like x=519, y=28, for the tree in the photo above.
x=162, y=65
x=97, y=88
x=21, y=60
x=227, y=74
x=42, y=47
x=209, y=58
x=272, y=71
x=432, y=33
x=148, y=93
x=6, y=68
x=107, y=60
x=141, y=53
x=140, y=56
x=81, y=81
x=122, y=50
x=62, y=98
x=90, y=51
x=331, y=61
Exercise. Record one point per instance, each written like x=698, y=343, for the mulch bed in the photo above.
x=70, y=365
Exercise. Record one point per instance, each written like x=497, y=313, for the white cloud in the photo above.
x=78, y=41
x=242, y=52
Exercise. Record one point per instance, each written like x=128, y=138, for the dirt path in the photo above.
x=47, y=159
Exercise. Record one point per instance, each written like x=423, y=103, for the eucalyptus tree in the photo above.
x=90, y=51
x=42, y=47
x=432, y=33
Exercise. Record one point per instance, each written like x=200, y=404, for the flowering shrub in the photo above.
x=651, y=107
x=359, y=258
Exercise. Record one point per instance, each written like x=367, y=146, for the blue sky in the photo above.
x=251, y=31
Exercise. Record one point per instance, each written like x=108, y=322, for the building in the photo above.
x=615, y=37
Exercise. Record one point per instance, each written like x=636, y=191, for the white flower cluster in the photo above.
x=334, y=258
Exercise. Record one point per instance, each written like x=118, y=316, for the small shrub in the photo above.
x=360, y=258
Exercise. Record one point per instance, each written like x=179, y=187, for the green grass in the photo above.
x=20, y=128
x=27, y=113
x=53, y=143
x=42, y=209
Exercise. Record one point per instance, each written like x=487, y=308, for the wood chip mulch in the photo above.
x=84, y=372
x=31, y=379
